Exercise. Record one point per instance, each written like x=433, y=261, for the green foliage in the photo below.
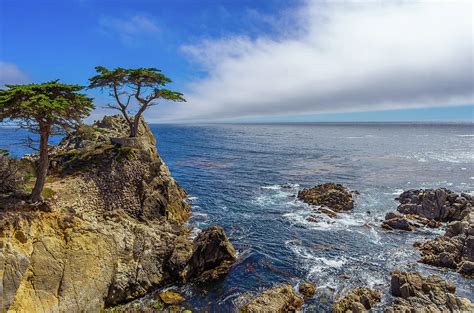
x=51, y=103
x=137, y=80
x=4, y=152
x=144, y=85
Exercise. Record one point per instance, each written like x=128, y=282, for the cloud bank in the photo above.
x=342, y=57
x=11, y=74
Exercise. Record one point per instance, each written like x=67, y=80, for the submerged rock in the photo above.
x=280, y=299
x=332, y=198
x=113, y=232
x=428, y=207
x=359, y=299
x=415, y=293
x=308, y=290
x=454, y=249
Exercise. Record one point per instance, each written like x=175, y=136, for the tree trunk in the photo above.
x=134, y=126
x=43, y=164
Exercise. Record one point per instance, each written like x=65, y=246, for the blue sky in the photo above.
x=216, y=53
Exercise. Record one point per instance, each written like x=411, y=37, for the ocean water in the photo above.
x=245, y=177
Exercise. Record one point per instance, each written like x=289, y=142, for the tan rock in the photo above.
x=359, y=299
x=171, y=297
x=308, y=290
x=280, y=299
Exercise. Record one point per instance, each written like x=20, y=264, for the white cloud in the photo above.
x=11, y=74
x=128, y=28
x=340, y=57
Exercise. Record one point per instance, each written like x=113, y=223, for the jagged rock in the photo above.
x=428, y=207
x=415, y=293
x=308, y=290
x=359, y=299
x=331, y=198
x=212, y=256
x=280, y=299
x=455, y=249
x=436, y=204
x=113, y=233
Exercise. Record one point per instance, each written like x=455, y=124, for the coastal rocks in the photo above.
x=332, y=198
x=415, y=293
x=308, y=290
x=359, y=299
x=428, y=207
x=113, y=232
x=454, y=249
x=212, y=256
x=279, y=299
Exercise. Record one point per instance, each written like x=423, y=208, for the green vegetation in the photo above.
x=144, y=85
x=44, y=109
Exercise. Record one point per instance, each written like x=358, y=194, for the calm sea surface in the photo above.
x=245, y=178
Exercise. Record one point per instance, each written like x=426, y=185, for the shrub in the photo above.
x=12, y=174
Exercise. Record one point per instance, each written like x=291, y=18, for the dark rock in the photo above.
x=415, y=293
x=357, y=300
x=279, y=299
x=212, y=256
x=333, y=196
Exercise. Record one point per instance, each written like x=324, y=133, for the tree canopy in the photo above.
x=139, y=88
x=41, y=108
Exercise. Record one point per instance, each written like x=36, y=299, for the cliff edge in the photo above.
x=111, y=229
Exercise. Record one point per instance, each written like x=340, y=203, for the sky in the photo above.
x=257, y=60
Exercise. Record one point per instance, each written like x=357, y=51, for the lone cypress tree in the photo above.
x=145, y=86
x=44, y=108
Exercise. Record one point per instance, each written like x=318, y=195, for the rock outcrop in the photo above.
x=415, y=293
x=359, y=299
x=308, y=290
x=212, y=256
x=330, y=198
x=428, y=207
x=455, y=249
x=112, y=231
x=280, y=299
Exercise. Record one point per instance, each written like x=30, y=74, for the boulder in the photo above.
x=454, y=249
x=415, y=293
x=212, y=256
x=359, y=299
x=280, y=299
x=308, y=290
x=171, y=297
x=440, y=204
x=428, y=207
x=330, y=197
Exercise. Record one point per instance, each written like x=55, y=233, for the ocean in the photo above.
x=245, y=177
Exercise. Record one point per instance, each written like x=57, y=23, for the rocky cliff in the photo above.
x=111, y=230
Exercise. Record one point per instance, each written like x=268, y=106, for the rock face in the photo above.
x=455, y=249
x=415, y=293
x=112, y=232
x=357, y=300
x=428, y=207
x=331, y=198
x=280, y=299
